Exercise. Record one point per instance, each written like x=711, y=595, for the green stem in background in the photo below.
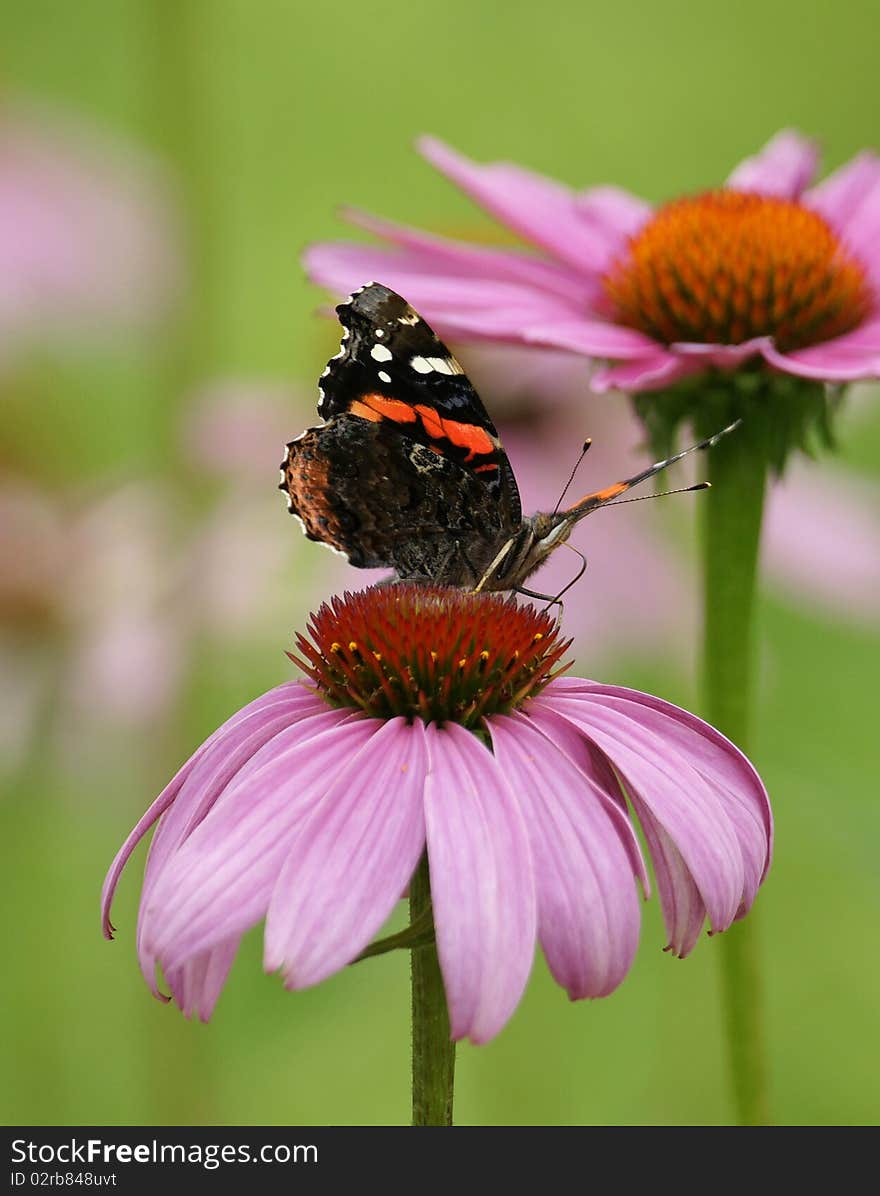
x=732, y=513
x=433, y=1053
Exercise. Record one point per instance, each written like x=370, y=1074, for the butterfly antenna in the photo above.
x=601, y=498
x=661, y=494
x=577, y=466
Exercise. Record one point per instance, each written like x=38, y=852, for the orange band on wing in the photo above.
x=475, y=439
x=485, y=468
x=469, y=436
x=365, y=412
x=393, y=409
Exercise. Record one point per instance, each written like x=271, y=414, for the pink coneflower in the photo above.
x=88, y=236
x=761, y=268
x=438, y=720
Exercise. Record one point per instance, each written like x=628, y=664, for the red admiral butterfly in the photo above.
x=408, y=472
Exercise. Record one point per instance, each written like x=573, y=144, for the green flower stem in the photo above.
x=433, y=1053
x=732, y=513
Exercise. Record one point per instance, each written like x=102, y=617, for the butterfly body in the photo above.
x=408, y=471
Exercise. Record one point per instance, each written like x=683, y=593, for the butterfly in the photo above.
x=408, y=471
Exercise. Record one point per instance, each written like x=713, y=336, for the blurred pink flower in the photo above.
x=90, y=634
x=88, y=241
x=762, y=268
x=313, y=805
x=821, y=544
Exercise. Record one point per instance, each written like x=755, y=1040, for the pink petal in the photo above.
x=221, y=759
x=849, y=199
x=349, y=864
x=479, y=261
x=219, y=882
x=838, y=360
x=784, y=167
x=615, y=211
x=725, y=357
x=680, y=902
x=539, y=209
x=595, y=338
x=455, y=304
x=654, y=371
x=720, y=764
x=163, y=926
x=604, y=786
x=588, y=908
x=482, y=883
x=261, y=716
x=196, y=986
x=660, y=777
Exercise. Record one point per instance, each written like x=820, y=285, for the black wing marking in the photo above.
x=389, y=350
x=386, y=501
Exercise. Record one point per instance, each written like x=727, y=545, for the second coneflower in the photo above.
x=434, y=725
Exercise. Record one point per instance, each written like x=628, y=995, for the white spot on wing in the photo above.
x=437, y=365
x=385, y=377
x=381, y=353
x=445, y=365
x=410, y=318
x=380, y=332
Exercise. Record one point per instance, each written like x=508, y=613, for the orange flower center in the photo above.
x=430, y=652
x=727, y=266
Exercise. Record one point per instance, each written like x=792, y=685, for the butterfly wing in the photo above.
x=392, y=367
x=408, y=472
x=385, y=501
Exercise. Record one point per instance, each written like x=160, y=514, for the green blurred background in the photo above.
x=264, y=116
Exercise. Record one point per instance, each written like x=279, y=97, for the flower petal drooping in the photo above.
x=588, y=909
x=351, y=860
x=481, y=882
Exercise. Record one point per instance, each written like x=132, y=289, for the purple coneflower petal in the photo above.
x=588, y=907
x=457, y=304
x=651, y=372
x=784, y=167
x=197, y=984
x=538, y=208
x=660, y=777
x=479, y=261
x=843, y=193
x=684, y=911
x=596, y=338
x=601, y=781
x=616, y=212
x=724, y=356
x=350, y=862
x=220, y=880
x=482, y=883
x=721, y=765
x=849, y=200
x=845, y=359
x=250, y=727
x=215, y=767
